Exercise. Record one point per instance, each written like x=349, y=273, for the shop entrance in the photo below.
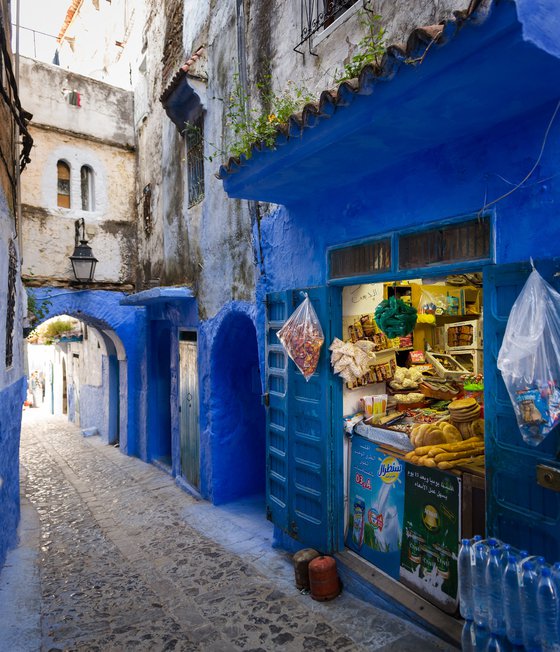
x=419, y=389
x=238, y=418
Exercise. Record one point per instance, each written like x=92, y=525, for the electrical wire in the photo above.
x=532, y=170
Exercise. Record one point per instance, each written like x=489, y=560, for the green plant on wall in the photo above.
x=248, y=125
x=370, y=48
x=37, y=309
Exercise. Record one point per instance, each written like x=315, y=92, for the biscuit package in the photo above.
x=529, y=359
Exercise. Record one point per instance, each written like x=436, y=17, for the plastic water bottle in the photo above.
x=494, y=579
x=512, y=604
x=464, y=566
x=480, y=589
x=547, y=602
x=529, y=609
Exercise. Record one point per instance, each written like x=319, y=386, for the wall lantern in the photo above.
x=83, y=260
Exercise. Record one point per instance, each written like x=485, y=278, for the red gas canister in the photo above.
x=323, y=578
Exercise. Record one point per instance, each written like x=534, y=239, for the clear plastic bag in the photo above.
x=302, y=337
x=529, y=359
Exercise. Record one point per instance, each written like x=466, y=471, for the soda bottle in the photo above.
x=494, y=578
x=464, y=568
x=512, y=604
x=547, y=603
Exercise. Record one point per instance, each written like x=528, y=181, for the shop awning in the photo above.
x=158, y=295
x=455, y=81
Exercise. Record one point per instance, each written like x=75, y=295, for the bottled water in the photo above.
x=547, y=602
x=480, y=589
x=465, y=579
x=494, y=577
x=530, y=615
x=512, y=605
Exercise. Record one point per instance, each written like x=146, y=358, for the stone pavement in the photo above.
x=115, y=556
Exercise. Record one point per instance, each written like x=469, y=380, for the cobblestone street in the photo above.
x=129, y=561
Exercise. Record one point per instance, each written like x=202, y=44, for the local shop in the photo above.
x=390, y=194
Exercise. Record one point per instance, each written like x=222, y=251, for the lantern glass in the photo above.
x=84, y=268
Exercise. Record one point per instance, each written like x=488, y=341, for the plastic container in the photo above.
x=464, y=569
x=529, y=609
x=547, y=603
x=512, y=602
x=480, y=588
x=494, y=580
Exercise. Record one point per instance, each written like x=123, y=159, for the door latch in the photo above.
x=548, y=477
x=265, y=399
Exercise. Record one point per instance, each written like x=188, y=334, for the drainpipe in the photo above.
x=254, y=210
x=16, y=146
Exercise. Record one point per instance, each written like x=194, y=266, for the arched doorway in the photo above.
x=238, y=417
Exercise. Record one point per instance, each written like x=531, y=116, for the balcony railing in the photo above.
x=318, y=14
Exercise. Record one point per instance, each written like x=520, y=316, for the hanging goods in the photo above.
x=395, y=317
x=529, y=359
x=302, y=338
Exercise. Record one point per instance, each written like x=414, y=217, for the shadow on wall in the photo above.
x=238, y=417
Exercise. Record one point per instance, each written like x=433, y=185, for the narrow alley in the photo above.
x=114, y=556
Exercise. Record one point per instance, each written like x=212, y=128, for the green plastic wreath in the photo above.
x=395, y=317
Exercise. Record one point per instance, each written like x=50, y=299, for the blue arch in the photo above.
x=232, y=417
x=102, y=310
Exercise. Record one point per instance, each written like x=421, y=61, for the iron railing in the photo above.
x=318, y=14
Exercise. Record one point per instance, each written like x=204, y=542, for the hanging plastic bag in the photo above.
x=302, y=337
x=529, y=359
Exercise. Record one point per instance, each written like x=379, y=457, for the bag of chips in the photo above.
x=302, y=338
x=529, y=359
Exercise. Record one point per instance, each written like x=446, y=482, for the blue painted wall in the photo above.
x=11, y=400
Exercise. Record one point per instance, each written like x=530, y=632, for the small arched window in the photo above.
x=63, y=184
x=88, y=190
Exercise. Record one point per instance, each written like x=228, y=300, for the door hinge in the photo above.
x=265, y=399
x=548, y=477
x=268, y=513
x=293, y=529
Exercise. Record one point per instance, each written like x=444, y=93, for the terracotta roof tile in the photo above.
x=182, y=73
x=413, y=52
x=70, y=13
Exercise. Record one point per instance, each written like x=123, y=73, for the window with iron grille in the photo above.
x=11, y=303
x=459, y=242
x=361, y=260
x=318, y=14
x=195, y=160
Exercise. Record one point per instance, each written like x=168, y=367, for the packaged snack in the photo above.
x=302, y=337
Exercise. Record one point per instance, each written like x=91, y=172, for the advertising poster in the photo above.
x=431, y=535
x=376, y=506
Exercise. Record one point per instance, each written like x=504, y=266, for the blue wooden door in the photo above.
x=520, y=511
x=300, y=449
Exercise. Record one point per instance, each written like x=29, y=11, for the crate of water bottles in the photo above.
x=510, y=593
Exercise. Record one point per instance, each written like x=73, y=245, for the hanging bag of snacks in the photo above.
x=529, y=359
x=302, y=338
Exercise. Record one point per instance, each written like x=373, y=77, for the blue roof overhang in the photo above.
x=158, y=295
x=484, y=71
x=182, y=103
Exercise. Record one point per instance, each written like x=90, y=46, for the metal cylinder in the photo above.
x=301, y=563
x=323, y=578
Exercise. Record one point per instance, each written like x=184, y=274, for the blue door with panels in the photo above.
x=302, y=458
x=523, y=482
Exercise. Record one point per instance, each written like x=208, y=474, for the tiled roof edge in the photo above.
x=416, y=48
x=181, y=73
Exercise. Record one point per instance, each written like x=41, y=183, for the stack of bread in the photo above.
x=464, y=413
x=448, y=456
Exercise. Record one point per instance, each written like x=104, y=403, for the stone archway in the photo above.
x=119, y=331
